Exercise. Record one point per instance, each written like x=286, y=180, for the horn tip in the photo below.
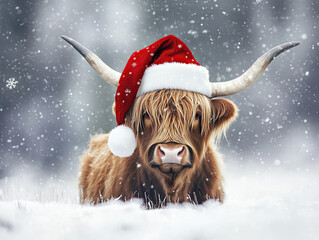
x=80, y=48
x=66, y=38
x=295, y=43
x=288, y=45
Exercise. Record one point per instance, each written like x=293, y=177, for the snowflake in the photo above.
x=180, y=45
x=11, y=83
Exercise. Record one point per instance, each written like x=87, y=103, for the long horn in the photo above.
x=108, y=74
x=250, y=76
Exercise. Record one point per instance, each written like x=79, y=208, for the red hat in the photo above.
x=165, y=64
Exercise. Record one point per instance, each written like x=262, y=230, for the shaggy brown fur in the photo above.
x=164, y=116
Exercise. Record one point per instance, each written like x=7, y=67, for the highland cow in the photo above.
x=175, y=126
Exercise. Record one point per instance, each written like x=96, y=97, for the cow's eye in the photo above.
x=147, y=120
x=197, y=122
x=146, y=116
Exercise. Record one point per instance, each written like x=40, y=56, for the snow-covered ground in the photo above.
x=262, y=203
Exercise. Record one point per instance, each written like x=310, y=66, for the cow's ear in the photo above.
x=224, y=112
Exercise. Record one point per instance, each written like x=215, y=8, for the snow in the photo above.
x=11, y=83
x=51, y=102
x=122, y=141
x=262, y=203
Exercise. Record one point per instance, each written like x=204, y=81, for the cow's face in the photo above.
x=173, y=127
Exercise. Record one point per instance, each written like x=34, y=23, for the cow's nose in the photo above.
x=171, y=154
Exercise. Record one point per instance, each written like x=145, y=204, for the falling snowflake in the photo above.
x=11, y=83
x=258, y=1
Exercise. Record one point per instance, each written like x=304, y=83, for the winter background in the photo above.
x=51, y=102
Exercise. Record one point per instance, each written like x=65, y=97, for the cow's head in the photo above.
x=173, y=127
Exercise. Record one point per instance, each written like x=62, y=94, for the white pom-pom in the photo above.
x=122, y=141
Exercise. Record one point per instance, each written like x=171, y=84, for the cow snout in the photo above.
x=171, y=154
x=171, y=157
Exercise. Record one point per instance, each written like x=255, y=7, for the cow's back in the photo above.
x=96, y=164
x=105, y=176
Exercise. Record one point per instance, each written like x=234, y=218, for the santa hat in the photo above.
x=166, y=64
